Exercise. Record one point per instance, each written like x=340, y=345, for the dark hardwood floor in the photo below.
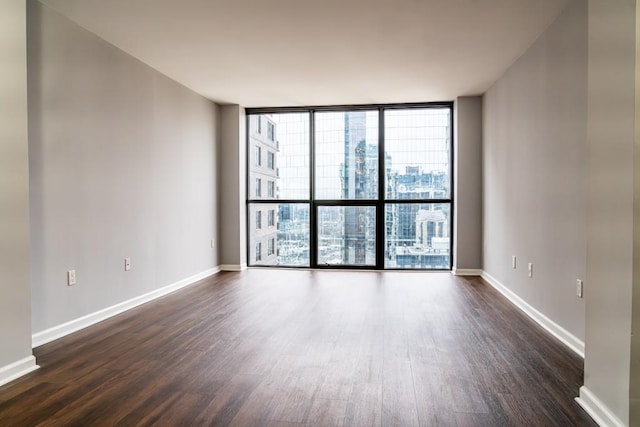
x=290, y=347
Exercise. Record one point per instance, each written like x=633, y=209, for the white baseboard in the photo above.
x=552, y=327
x=75, y=325
x=17, y=369
x=597, y=410
x=233, y=267
x=466, y=272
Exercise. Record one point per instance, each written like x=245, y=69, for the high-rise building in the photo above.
x=422, y=230
x=359, y=181
x=264, y=185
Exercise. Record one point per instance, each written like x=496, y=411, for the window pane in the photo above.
x=346, y=150
x=271, y=160
x=284, y=239
x=346, y=235
x=286, y=146
x=417, y=235
x=418, y=153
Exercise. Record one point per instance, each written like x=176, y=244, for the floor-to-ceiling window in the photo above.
x=350, y=187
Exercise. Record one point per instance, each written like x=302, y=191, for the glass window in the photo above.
x=346, y=150
x=258, y=155
x=271, y=160
x=288, y=160
x=418, y=153
x=346, y=235
x=388, y=165
x=289, y=232
x=259, y=251
x=417, y=235
x=271, y=131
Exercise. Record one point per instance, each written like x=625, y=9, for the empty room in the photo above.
x=320, y=213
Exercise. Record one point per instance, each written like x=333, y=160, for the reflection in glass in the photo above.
x=417, y=235
x=417, y=153
x=346, y=152
x=283, y=238
x=346, y=235
x=283, y=140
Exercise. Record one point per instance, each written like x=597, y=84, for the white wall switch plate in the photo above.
x=127, y=264
x=513, y=262
x=71, y=277
x=530, y=272
x=579, y=288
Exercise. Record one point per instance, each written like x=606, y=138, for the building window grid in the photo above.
x=258, y=220
x=271, y=131
x=258, y=155
x=386, y=198
x=259, y=251
x=271, y=160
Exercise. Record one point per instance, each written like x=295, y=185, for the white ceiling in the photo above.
x=321, y=52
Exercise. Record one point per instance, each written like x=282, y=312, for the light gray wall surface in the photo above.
x=468, y=183
x=634, y=386
x=15, y=304
x=610, y=190
x=534, y=201
x=232, y=178
x=123, y=164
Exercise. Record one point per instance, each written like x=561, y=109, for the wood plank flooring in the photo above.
x=318, y=348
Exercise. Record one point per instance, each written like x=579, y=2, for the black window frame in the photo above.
x=380, y=204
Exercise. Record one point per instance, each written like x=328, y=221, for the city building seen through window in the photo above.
x=369, y=187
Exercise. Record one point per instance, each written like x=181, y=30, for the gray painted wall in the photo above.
x=15, y=304
x=634, y=391
x=468, y=183
x=233, y=252
x=610, y=188
x=534, y=170
x=123, y=164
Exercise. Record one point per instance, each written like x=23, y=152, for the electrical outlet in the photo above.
x=530, y=272
x=579, y=288
x=127, y=264
x=513, y=262
x=71, y=277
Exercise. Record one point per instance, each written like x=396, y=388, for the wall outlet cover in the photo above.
x=579, y=288
x=71, y=277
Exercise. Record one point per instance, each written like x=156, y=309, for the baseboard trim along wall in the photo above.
x=597, y=410
x=233, y=267
x=17, y=369
x=466, y=272
x=552, y=327
x=75, y=325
